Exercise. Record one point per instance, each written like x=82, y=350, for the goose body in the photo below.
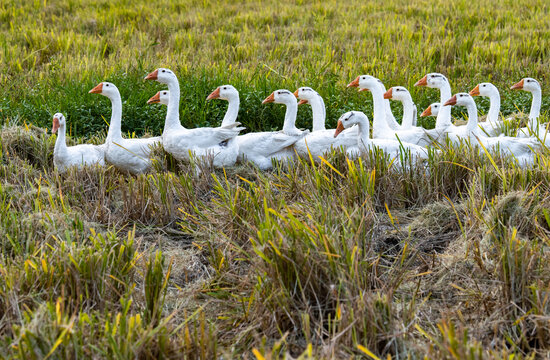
x=320, y=140
x=80, y=155
x=364, y=143
x=202, y=142
x=127, y=155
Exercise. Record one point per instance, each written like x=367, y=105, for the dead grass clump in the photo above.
x=31, y=144
x=435, y=226
x=519, y=210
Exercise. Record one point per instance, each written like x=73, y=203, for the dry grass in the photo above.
x=332, y=258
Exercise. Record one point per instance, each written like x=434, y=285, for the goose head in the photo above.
x=224, y=92
x=527, y=84
x=161, y=97
x=432, y=110
x=281, y=96
x=365, y=82
x=349, y=119
x=483, y=89
x=305, y=94
x=58, y=121
x=461, y=99
x=398, y=93
x=433, y=80
x=105, y=88
x=162, y=75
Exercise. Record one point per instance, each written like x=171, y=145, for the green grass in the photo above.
x=331, y=259
x=53, y=52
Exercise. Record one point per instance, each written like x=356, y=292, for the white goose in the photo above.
x=258, y=148
x=534, y=128
x=392, y=147
x=285, y=97
x=128, y=155
x=307, y=95
x=521, y=149
x=443, y=122
x=381, y=129
x=390, y=119
x=492, y=126
x=80, y=155
x=401, y=94
x=320, y=140
x=203, y=142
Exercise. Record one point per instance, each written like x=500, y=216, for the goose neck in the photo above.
x=60, y=142
x=232, y=111
x=289, y=126
x=173, y=113
x=379, y=123
x=116, y=117
x=534, y=113
x=319, y=113
x=494, y=107
x=472, y=116
x=444, y=117
x=363, y=140
x=409, y=114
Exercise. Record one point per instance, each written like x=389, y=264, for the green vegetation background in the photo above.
x=53, y=52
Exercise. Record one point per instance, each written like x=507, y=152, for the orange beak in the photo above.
x=427, y=112
x=475, y=91
x=155, y=99
x=97, y=90
x=451, y=101
x=518, y=86
x=422, y=82
x=269, y=99
x=214, y=94
x=354, y=83
x=388, y=94
x=153, y=76
x=363, y=89
x=296, y=93
x=339, y=128
x=55, y=125
x=302, y=102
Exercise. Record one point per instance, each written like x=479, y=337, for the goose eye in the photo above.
x=106, y=84
x=225, y=88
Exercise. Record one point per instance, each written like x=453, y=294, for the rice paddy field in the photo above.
x=313, y=259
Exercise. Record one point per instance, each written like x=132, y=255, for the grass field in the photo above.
x=334, y=259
